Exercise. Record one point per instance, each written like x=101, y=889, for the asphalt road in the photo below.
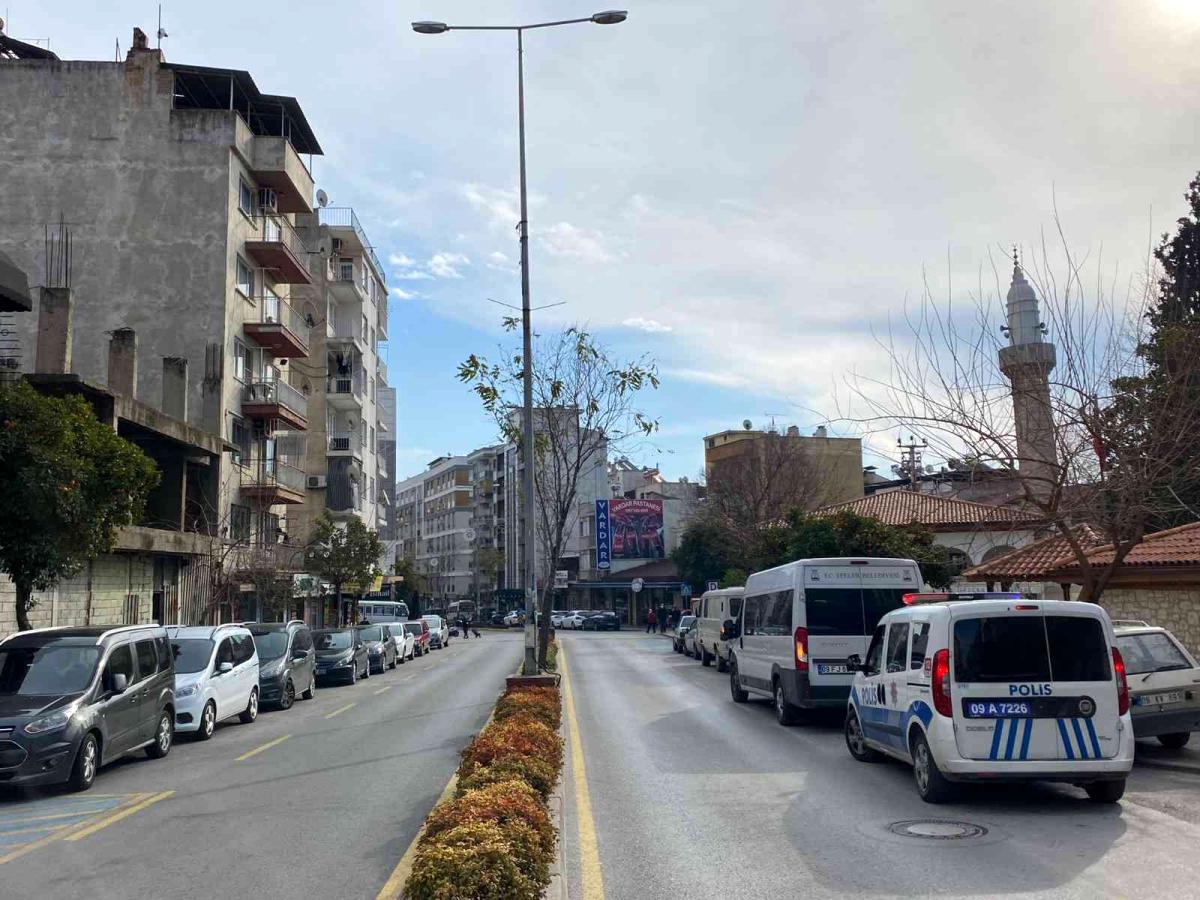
x=326, y=812
x=694, y=795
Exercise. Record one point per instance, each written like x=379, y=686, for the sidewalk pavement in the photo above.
x=1152, y=754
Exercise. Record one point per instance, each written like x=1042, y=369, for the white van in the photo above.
x=800, y=621
x=994, y=689
x=216, y=676
x=712, y=611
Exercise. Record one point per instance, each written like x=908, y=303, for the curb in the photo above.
x=1188, y=769
x=557, y=888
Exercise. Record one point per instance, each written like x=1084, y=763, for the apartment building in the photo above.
x=180, y=184
x=344, y=376
x=387, y=459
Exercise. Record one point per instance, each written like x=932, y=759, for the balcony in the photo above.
x=278, y=327
x=275, y=400
x=383, y=371
x=342, y=218
x=277, y=165
x=343, y=487
x=271, y=481
x=346, y=391
x=345, y=443
x=277, y=247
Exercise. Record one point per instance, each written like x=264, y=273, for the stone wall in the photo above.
x=1177, y=610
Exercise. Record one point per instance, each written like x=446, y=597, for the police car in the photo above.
x=994, y=687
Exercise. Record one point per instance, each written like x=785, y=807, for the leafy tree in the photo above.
x=406, y=568
x=69, y=483
x=344, y=556
x=584, y=403
x=705, y=553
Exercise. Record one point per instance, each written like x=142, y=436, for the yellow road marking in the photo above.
x=382, y=689
x=340, y=710
x=591, y=880
x=117, y=817
x=267, y=746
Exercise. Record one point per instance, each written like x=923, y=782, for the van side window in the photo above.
x=243, y=648
x=303, y=640
x=120, y=662
x=750, y=615
x=897, y=647
x=165, y=659
x=224, y=654
x=920, y=639
x=776, y=615
x=874, y=652
x=147, y=659
x=735, y=607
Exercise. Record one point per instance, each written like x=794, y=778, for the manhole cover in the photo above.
x=937, y=829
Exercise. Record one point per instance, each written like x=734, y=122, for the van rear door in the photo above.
x=1031, y=684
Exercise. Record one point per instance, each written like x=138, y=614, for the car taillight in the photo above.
x=1122, y=684
x=801, y=649
x=941, y=683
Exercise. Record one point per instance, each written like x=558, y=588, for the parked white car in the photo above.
x=1164, y=682
x=574, y=619
x=403, y=639
x=556, y=618
x=514, y=618
x=216, y=677
x=439, y=632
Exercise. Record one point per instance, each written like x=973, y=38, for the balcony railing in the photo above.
x=277, y=246
x=353, y=386
x=383, y=370
x=278, y=327
x=272, y=480
x=276, y=398
x=344, y=217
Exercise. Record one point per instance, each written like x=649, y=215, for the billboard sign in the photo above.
x=603, y=543
x=628, y=529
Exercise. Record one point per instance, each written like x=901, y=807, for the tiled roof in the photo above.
x=1035, y=561
x=1173, y=547
x=939, y=513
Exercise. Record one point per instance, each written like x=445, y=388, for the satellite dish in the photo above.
x=470, y=535
x=747, y=424
x=322, y=199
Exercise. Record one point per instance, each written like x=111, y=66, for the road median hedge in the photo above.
x=495, y=839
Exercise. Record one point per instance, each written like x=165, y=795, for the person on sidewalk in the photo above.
x=651, y=621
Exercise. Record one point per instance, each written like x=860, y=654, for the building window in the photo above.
x=239, y=522
x=371, y=438
x=245, y=278
x=240, y=436
x=245, y=197
x=373, y=395
x=241, y=361
x=365, y=328
x=374, y=341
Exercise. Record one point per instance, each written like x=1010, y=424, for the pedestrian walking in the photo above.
x=662, y=620
x=651, y=621
x=462, y=627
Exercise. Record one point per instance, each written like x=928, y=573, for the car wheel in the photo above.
x=785, y=713
x=87, y=761
x=288, y=697
x=739, y=694
x=164, y=736
x=856, y=742
x=1105, y=791
x=208, y=722
x=312, y=689
x=705, y=658
x=722, y=665
x=367, y=670
x=250, y=713
x=931, y=783
x=1175, y=741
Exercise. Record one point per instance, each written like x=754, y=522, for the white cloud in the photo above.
x=715, y=377
x=400, y=260
x=566, y=241
x=650, y=326
x=497, y=257
x=414, y=275
x=401, y=294
x=446, y=265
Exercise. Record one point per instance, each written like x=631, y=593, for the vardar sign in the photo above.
x=628, y=529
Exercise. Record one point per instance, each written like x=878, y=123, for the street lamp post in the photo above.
x=528, y=530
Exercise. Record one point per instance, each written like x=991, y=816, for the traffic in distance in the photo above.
x=75, y=699
x=965, y=687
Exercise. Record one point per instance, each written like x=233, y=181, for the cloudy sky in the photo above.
x=745, y=191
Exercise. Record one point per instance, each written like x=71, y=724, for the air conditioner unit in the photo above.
x=337, y=245
x=316, y=482
x=268, y=200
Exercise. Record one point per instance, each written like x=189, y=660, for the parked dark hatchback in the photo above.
x=287, y=662
x=381, y=649
x=74, y=699
x=602, y=621
x=341, y=655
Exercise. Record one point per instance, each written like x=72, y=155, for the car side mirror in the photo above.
x=729, y=630
x=120, y=683
x=224, y=668
x=299, y=654
x=854, y=662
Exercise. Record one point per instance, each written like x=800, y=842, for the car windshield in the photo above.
x=1152, y=652
x=413, y=629
x=191, y=654
x=373, y=633
x=331, y=640
x=47, y=670
x=271, y=644
x=686, y=621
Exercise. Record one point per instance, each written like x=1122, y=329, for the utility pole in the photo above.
x=910, y=457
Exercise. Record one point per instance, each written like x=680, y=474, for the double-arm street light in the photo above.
x=529, y=533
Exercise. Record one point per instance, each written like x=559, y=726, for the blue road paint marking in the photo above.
x=1025, y=738
x=1079, y=737
x=1012, y=738
x=996, y=735
x=1092, y=735
x=26, y=822
x=1062, y=730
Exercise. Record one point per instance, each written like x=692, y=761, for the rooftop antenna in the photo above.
x=772, y=417
x=162, y=32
